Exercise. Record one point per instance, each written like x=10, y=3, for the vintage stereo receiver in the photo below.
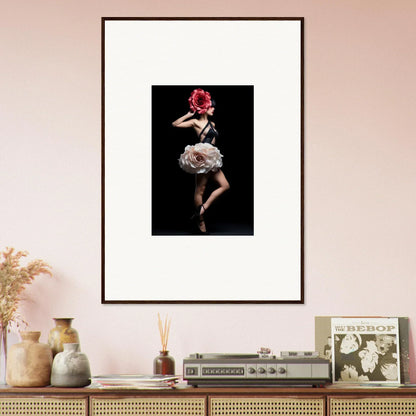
x=256, y=369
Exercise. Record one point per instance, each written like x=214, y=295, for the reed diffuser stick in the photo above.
x=164, y=331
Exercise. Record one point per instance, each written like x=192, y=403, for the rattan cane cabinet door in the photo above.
x=43, y=406
x=266, y=406
x=372, y=406
x=148, y=406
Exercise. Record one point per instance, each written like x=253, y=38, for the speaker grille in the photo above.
x=32, y=406
x=266, y=407
x=148, y=406
x=373, y=407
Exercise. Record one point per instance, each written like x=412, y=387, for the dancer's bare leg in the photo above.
x=220, y=178
x=200, y=185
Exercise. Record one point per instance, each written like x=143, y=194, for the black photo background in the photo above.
x=172, y=188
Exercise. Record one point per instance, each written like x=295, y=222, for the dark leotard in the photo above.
x=211, y=134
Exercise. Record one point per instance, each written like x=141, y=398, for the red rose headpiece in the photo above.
x=200, y=101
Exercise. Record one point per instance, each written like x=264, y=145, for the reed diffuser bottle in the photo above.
x=164, y=364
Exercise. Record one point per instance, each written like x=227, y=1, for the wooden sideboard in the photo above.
x=242, y=401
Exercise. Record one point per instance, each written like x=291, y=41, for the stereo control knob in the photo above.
x=251, y=370
x=272, y=370
x=281, y=370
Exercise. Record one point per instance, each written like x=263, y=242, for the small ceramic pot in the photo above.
x=70, y=368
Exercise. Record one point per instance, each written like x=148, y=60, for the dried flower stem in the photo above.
x=164, y=331
x=13, y=279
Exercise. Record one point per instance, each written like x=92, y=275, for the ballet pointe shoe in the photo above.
x=198, y=220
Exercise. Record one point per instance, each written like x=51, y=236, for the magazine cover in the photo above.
x=365, y=350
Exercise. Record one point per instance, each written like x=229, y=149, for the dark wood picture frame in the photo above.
x=128, y=245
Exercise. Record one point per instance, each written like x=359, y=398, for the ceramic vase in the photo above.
x=29, y=362
x=3, y=354
x=70, y=368
x=62, y=333
x=164, y=364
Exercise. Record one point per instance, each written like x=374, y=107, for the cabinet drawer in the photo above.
x=153, y=406
x=270, y=406
x=391, y=406
x=45, y=406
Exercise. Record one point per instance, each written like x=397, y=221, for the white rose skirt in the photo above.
x=200, y=158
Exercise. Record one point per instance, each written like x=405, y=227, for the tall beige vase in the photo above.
x=61, y=334
x=29, y=362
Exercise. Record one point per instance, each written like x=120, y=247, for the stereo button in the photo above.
x=191, y=371
x=251, y=370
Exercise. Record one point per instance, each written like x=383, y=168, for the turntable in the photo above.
x=260, y=369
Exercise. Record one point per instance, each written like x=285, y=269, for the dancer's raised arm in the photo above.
x=184, y=122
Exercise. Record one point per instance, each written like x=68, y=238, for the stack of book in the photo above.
x=121, y=381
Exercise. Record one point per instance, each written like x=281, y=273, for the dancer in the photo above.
x=202, y=159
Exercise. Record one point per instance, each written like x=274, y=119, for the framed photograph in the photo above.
x=202, y=160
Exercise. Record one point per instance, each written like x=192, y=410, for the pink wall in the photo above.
x=359, y=174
